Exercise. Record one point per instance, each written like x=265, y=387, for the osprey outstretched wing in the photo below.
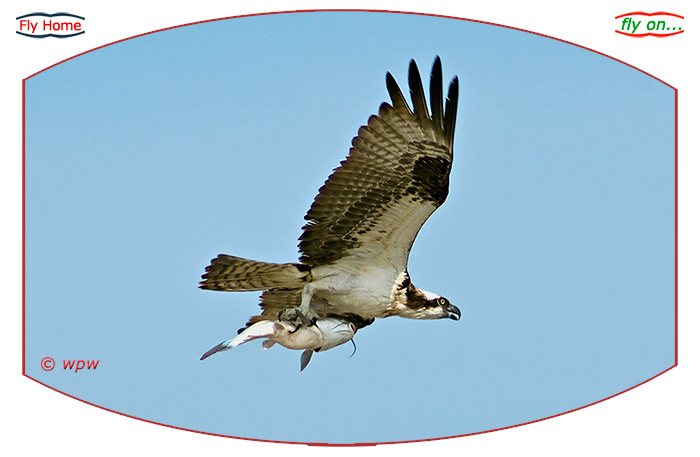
x=395, y=177
x=363, y=222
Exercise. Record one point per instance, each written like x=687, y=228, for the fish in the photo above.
x=319, y=335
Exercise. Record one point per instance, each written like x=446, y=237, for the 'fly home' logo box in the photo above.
x=57, y=25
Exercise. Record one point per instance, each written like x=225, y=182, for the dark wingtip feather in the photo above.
x=395, y=94
x=415, y=86
x=436, y=106
x=451, y=108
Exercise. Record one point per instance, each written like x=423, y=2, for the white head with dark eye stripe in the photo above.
x=427, y=305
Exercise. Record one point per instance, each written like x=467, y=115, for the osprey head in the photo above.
x=427, y=305
x=440, y=307
x=448, y=309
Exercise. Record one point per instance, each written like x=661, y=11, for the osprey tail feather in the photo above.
x=234, y=274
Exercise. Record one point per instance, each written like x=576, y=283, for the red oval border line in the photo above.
x=24, y=373
x=349, y=444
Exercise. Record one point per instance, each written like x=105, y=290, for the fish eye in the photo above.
x=442, y=301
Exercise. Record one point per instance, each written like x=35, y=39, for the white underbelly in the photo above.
x=365, y=291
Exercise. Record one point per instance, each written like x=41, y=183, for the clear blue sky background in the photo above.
x=147, y=158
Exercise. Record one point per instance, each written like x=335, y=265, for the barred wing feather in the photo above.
x=397, y=174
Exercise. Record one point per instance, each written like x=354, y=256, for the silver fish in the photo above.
x=322, y=335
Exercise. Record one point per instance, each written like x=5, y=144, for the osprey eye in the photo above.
x=442, y=301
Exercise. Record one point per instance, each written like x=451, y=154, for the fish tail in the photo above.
x=262, y=329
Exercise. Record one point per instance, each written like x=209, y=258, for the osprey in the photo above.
x=360, y=228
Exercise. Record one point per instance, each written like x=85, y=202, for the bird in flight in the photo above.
x=359, y=231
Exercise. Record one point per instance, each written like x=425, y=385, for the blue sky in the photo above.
x=149, y=157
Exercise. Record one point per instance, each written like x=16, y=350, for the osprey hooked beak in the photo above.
x=451, y=310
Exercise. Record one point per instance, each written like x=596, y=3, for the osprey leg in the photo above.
x=303, y=314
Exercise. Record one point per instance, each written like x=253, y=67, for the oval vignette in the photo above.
x=148, y=158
